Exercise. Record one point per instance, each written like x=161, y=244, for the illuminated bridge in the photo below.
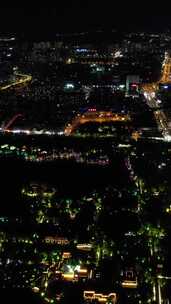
x=94, y=116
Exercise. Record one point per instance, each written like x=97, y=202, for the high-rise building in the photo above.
x=7, y=52
x=132, y=84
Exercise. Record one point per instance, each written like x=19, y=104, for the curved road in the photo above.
x=22, y=80
x=95, y=116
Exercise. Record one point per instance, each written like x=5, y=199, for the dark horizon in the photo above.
x=76, y=18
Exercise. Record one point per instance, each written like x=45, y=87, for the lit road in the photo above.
x=150, y=91
x=23, y=79
x=166, y=73
x=7, y=128
x=31, y=132
x=94, y=116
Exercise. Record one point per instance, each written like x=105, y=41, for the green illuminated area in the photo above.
x=71, y=240
x=36, y=190
x=104, y=130
x=35, y=154
x=76, y=235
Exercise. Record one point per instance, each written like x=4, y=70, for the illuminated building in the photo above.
x=7, y=47
x=91, y=56
x=132, y=85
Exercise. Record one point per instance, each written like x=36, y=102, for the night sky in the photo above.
x=70, y=16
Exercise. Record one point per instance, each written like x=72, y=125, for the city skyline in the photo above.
x=85, y=154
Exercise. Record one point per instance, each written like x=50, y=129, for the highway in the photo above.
x=150, y=91
x=22, y=79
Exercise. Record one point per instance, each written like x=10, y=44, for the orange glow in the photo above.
x=97, y=116
x=82, y=270
x=68, y=276
x=135, y=135
x=66, y=255
x=104, y=300
x=98, y=295
x=92, y=295
x=165, y=77
x=89, y=294
x=85, y=247
x=129, y=284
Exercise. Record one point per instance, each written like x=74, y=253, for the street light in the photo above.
x=160, y=277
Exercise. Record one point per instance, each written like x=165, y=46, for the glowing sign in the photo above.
x=92, y=295
x=81, y=50
x=85, y=247
x=69, y=86
x=56, y=240
x=129, y=284
x=92, y=110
